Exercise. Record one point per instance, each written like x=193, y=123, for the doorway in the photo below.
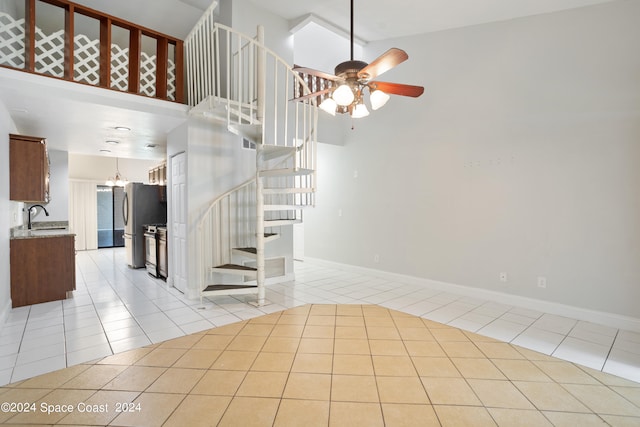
x=110, y=217
x=178, y=248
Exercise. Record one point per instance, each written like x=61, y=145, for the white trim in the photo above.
x=4, y=313
x=297, y=24
x=289, y=277
x=608, y=319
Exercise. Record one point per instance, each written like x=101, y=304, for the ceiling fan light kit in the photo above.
x=378, y=98
x=359, y=111
x=343, y=92
x=329, y=105
x=343, y=95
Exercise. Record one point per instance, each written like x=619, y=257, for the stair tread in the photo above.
x=221, y=287
x=292, y=207
x=288, y=190
x=252, y=132
x=248, y=250
x=277, y=222
x=235, y=267
x=271, y=147
x=286, y=172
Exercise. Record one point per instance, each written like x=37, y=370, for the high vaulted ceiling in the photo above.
x=73, y=124
x=380, y=19
x=374, y=19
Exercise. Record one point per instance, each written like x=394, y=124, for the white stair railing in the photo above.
x=234, y=78
x=228, y=223
x=222, y=69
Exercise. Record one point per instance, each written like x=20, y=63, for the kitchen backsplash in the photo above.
x=16, y=216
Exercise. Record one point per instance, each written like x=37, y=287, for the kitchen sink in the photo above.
x=48, y=228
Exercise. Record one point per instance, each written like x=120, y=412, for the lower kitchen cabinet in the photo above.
x=42, y=269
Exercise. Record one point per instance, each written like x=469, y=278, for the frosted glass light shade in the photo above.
x=378, y=98
x=360, y=111
x=329, y=105
x=343, y=95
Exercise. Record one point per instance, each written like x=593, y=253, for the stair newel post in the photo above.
x=260, y=243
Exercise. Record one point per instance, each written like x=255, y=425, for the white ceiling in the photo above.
x=79, y=119
x=381, y=19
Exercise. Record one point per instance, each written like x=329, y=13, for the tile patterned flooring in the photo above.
x=327, y=365
x=116, y=309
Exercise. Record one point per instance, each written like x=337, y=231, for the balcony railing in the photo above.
x=86, y=46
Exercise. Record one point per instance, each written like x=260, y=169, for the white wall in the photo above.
x=520, y=157
x=58, y=207
x=246, y=16
x=10, y=7
x=98, y=168
x=6, y=213
x=335, y=48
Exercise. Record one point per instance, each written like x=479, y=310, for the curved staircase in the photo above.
x=235, y=80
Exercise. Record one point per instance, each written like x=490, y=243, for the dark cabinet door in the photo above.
x=42, y=269
x=28, y=169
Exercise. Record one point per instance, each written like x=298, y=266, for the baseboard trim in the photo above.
x=604, y=318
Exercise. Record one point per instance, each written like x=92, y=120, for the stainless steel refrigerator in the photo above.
x=142, y=204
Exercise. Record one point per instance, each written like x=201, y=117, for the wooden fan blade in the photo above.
x=397, y=89
x=311, y=95
x=383, y=63
x=317, y=73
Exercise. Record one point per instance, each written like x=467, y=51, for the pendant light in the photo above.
x=118, y=180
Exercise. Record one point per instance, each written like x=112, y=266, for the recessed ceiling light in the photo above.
x=112, y=142
x=150, y=146
x=20, y=110
x=123, y=128
x=105, y=151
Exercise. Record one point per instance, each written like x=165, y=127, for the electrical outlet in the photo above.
x=355, y=174
x=339, y=212
x=542, y=282
x=376, y=258
x=503, y=277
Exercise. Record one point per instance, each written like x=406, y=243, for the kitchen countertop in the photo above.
x=42, y=230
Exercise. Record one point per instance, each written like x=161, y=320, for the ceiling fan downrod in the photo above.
x=351, y=30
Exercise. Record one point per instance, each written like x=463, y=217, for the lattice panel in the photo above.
x=50, y=53
x=148, y=74
x=119, y=68
x=50, y=58
x=11, y=41
x=171, y=81
x=86, y=53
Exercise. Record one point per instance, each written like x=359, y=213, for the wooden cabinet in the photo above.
x=28, y=169
x=158, y=175
x=42, y=269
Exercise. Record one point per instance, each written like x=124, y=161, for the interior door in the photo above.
x=178, y=246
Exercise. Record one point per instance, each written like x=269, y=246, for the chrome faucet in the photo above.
x=33, y=208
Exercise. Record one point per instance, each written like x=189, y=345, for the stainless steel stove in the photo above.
x=155, y=238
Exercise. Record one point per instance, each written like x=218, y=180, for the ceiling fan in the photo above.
x=343, y=91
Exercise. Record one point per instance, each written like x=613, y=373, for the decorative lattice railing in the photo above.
x=154, y=75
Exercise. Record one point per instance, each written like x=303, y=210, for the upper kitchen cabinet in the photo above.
x=158, y=175
x=28, y=169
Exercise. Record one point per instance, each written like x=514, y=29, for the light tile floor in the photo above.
x=115, y=309
x=326, y=365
